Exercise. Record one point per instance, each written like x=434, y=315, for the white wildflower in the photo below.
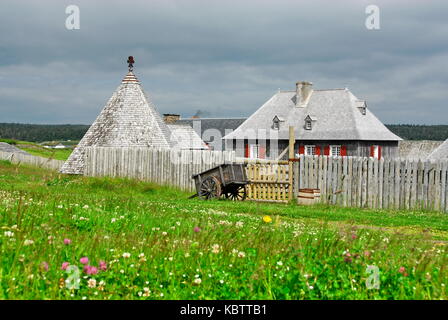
x=215, y=248
x=91, y=283
x=9, y=234
x=28, y=242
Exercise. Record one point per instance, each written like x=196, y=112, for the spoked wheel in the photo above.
x=237, y=194
x=210, y=188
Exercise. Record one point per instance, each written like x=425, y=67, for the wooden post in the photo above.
x=291, y=162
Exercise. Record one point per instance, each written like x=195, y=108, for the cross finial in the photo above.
x=131, y=63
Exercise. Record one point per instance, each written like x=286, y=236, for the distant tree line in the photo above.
x=44, y=132
x=419, y=132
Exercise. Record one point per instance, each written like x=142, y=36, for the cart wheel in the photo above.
x=210, y=188
x=237, y=194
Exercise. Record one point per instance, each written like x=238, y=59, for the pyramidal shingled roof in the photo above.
x=440, y=153
x=129, y=119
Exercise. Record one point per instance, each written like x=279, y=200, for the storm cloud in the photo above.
x=225, y=58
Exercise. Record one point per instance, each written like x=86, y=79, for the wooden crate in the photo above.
x=308, y=196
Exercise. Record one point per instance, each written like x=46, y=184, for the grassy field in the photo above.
x=38, y=150
x=132, y=240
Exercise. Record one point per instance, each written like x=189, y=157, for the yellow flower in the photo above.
x=267, y=219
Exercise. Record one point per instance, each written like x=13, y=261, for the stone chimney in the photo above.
x=303, y=93
x=170, y=118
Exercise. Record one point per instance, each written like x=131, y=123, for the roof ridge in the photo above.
x=213, y=118
x=316, y=90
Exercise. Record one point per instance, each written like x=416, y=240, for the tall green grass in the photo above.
x=157, y=244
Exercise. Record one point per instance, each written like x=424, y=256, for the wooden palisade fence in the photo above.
x=162, y=166
x=373, y=183
x=345, y=181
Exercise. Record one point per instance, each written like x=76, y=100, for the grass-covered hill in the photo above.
x=124, y=239
x=39, y=150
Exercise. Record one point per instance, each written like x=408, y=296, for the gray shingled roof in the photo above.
x=417, y=149
x=6, y=147
x=129, y=119
x=440, y=153
x=223, y=125
x=185, y=137
x=336, y=113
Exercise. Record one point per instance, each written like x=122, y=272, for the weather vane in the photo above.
x=131, y=63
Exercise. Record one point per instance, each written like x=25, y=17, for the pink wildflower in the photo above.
x=92, y=270
x=65, y=265
x=103, y=265
x=44, y=266
x=402, y=270
x=84, y=260
x=67, y=241
x=347, y=257
x=197, y=229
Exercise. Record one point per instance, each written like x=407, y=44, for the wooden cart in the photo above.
x=226, y=180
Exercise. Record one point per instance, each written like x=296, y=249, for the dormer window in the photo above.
x=362, y=106
x=276, y=123
x=363, y=110
x=309, y=122
x=308, y=125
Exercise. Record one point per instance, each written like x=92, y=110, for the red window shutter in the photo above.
x=372, y=151
x=379, y=152
x=326, y=150
x=343, y=151
x=246, y=150
x=301, y=149
x=317, y=150
x=262, y=152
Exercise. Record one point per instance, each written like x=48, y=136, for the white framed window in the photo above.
x=375, y=152
x=276, y=125
x=335, y=150
x=257, y=151
x=253, y=151
x=308, y=125
x=310, y=150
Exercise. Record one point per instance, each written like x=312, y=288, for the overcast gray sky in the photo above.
x=225, y=58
